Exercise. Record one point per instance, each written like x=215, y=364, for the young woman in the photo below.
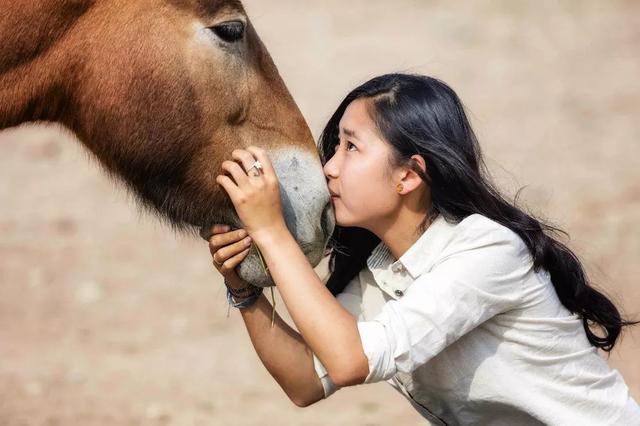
x=462, y=301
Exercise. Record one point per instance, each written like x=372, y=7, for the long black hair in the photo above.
x=422, y=115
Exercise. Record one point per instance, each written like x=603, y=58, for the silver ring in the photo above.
x=258, y=166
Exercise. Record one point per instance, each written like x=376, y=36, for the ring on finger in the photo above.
x=256, y=165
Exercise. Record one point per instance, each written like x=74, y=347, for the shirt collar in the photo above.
x=395, y=276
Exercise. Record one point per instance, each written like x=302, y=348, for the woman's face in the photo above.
x=359, y=172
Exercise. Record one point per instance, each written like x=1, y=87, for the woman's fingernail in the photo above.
x=247, y=240
x=243, y=233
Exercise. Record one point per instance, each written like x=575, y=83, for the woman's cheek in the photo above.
x=357, y=207
x=349, y=209
x=361, y=199
x=377, y=201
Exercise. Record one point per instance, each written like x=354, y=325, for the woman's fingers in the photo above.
x=244, y=157
x=230, y=264
x=222, y=254
x=207, y=233
x=264, y=159
x=228, y=248
x=236, y=171
x=218, y=241
x=230, y=186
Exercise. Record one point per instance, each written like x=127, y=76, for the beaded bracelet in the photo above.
x=245, y=301
x=244, y=292
x=248, y=295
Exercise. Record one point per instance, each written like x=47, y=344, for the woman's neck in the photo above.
x=401, y=231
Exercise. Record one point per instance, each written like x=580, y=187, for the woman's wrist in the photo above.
x=236, y=283
x=241, y=289
x=244, y=298
x=271, y=235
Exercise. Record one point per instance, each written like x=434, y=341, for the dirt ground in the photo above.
x=107, y=318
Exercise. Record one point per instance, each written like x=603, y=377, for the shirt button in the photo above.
x=397, y=268
x=399, y=293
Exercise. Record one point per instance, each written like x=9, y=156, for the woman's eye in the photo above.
x=349, y=146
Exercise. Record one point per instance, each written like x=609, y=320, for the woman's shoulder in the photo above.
x=478, y=231
x=477, y=224
x=484, y=253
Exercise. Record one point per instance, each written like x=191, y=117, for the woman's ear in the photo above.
x=420, y=161
x=409, y=179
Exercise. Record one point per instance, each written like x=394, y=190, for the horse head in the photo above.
x=161, y=92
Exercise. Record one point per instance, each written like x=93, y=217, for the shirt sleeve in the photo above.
x=481, y=275
x=351, y=300
x=327, y=384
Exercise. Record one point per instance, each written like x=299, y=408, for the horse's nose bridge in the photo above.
x=278, y=122
x=302, y=180
x=271, y=106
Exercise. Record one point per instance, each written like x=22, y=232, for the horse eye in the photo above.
x=230, y=31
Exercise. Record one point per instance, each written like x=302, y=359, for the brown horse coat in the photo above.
x=161, y=91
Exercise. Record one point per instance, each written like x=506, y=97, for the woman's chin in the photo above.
x=341, y=223
x=339, y=218
x=346, y=223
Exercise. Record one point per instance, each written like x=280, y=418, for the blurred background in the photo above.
x=107, y=317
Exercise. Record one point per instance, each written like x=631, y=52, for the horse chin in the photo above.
x=253, y=271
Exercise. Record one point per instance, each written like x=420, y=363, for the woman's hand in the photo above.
x=228, y=249
x=256, y=194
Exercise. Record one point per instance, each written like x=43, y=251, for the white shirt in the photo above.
x=470, y=334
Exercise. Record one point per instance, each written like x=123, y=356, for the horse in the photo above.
x=160, y=92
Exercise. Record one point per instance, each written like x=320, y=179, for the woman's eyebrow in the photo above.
x=350, y=133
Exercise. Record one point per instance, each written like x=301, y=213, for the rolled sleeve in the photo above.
x=481, y=279
x=375, y=342
x=327, y=385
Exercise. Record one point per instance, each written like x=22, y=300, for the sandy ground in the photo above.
x=106, y=317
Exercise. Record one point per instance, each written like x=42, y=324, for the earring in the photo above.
x=399, y=187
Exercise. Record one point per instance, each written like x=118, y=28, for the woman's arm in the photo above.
x=280, y=348
x=284, y=354
x=328, y=328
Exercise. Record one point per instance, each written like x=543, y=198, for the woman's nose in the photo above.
x=330, y=169
x=327, y=171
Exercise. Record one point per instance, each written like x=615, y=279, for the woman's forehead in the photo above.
x=356, y=120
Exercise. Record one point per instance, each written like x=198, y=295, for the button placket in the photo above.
x=397, y=267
